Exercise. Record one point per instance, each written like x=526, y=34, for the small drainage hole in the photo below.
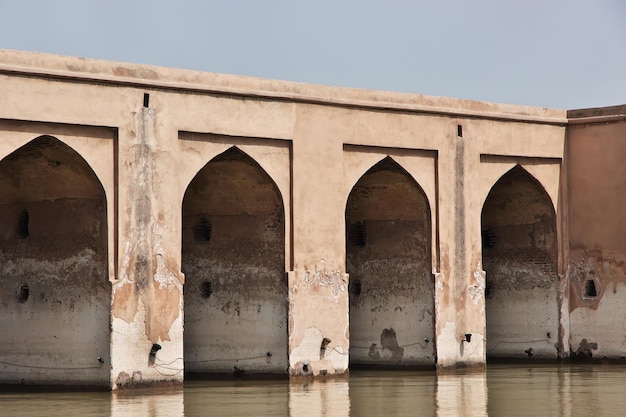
x=357, y=234
x=22, y=225
x=590, y=288
x=488, y=239
x=202, y=231
x=206, y=289
x=22, y=293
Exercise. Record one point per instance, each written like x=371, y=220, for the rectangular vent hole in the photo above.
x=590, y=288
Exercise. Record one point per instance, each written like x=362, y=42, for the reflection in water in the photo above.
x=530, y=389
x=236, y=398
x=319, y=399
x=557, y=390
x=501, y=391
x=55, y=404
x=148, y=403
x=462, y=394
x=392, y=393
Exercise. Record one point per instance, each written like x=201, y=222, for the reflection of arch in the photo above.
x=520, y=259
x=54, y=239
x=233, y=260
x=388, y=245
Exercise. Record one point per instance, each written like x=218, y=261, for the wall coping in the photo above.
x=91, y=71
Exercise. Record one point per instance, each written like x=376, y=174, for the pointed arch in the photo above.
x=388, y=258
x=497, y=172
x=235, y=154
x=520, y=256
x=233, y=259
x=391, y=165
x=53, y=247
x=50, y=166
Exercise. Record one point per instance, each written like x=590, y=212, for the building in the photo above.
x=155, y=220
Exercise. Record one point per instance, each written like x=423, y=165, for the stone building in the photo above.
x=156, y=220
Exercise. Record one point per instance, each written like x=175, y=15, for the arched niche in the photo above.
x=55, y=294
x=233, y=259
x=388, y=258
x=520, y=258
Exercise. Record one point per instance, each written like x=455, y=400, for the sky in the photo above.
x=564, y=54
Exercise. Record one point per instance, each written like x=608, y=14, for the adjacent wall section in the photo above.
x=597, y=225
x=520, y=260
x=233, y=259
x=54, y=290
x=388, y=241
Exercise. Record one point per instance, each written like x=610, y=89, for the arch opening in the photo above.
x=520, y=259
x=233, y=257
x=388, y=259
x=55, y=297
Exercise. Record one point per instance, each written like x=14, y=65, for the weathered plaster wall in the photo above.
x=596, y=180
x=54, y=292
x=148, y=292
x=389, y=262
x=313, y=143
x=495, y=149
x=318, y=298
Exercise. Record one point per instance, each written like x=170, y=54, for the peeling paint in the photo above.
x=164, y=276
x=333, y=280
x=306, y=358
x=585, y=350
x=477, y=290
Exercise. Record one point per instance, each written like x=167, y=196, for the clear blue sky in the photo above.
x=550, y=53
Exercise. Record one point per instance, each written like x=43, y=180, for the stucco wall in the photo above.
x=596, y=228
x=148, y=133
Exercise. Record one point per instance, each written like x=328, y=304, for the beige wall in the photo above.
x=312, y=144
x=596, y=229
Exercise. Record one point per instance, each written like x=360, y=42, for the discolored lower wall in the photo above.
x=54, y=294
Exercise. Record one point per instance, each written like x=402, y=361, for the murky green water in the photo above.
x=504, y=390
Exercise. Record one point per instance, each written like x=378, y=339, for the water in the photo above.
x=503, y=390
